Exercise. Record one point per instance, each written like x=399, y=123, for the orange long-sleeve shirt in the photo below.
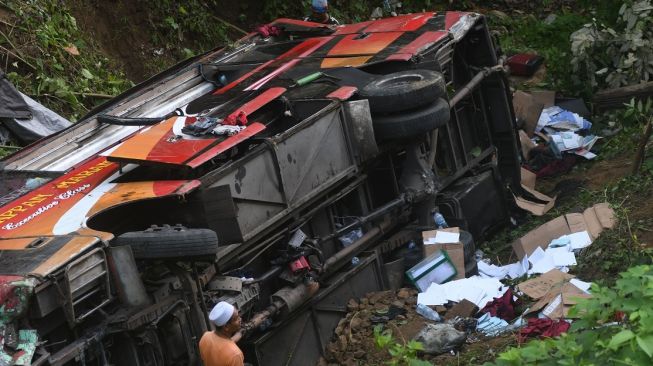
x=219, y=351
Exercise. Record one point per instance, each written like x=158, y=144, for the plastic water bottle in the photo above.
x=440, y=223
x=428, y=313
x=355, y=261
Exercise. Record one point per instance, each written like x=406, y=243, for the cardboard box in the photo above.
x=527, y=110
x=555, y=294
x=455, y=250
x=559, y=300
x=536, y=208
x=593, y=220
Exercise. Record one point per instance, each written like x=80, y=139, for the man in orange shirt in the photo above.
x=218, y=348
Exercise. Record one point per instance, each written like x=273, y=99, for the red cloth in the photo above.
x=543, y=328
x=268, y=30
x=558, y=167
x=234, y=119
x=502, y=307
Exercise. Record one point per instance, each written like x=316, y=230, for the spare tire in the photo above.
x=403, y=90
x=411, y=123
x=167, y=242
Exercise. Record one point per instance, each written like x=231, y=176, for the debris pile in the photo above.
x=530, y=298
x=555, y=131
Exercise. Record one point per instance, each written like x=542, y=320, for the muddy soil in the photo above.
x=353, y=339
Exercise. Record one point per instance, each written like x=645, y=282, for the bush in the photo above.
x=616, y=328
x=613, y=57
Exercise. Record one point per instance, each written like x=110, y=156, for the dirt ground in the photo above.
x=123, y=31
x=353, y=341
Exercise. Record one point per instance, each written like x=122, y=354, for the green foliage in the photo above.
x=616, y=327
x=54, y=62
x=401, y=354
x=604, y=56
x=530, y=34
x=640, y=111
x=190, y=23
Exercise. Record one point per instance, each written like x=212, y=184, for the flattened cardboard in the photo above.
x=528, y=110
x=537, y=288
x=454, y=250
x=605, y=215
x=594, y=220
x=528, y=178
x=559, y=300
x=536, y=208
x=545, y=97
x=527, y=145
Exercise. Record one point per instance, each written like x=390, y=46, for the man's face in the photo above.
x=234, y=322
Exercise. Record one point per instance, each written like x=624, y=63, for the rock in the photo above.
x=440, y=338
x=398, y=303
x=359, y=354
x=352, y=305
x=364, y=301
x=403, y=293
x=356, y=324
x=341, y=326
x=350, y=362
x=322, y=362
x=400, y=317
x=550, y=19
x=342, y=343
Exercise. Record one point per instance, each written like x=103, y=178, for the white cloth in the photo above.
x=221, y=313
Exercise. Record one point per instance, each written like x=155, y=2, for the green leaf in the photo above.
x=646, y=344
x=87, y=74
x=415, y=345
x=620, y=338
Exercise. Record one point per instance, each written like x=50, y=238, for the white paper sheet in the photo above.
x=563, y=258
x=580, y=240
x=585, y=286
x=476, y=289
x=443, y=237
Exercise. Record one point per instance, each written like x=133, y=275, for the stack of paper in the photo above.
x=514, y=270
x=476, y=289
x=556, y=118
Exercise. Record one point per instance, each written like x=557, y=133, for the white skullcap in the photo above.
x=221, y=313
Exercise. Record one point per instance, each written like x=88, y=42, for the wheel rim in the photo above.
x=400, y=80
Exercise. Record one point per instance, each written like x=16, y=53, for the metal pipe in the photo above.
x=274, y=271
x=287, y=299
x=476, y=80
x=397, y=202
x=357, y=246
x=460, y=95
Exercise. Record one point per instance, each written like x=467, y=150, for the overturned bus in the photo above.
x=276, y=174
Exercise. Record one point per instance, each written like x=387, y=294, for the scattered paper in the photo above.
x=556, y=117
x=580, y=240
x=491, y=326
x=585, y=153
x=513, y=270
x=585, y=286
x=562, y=258
x=475, y=289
